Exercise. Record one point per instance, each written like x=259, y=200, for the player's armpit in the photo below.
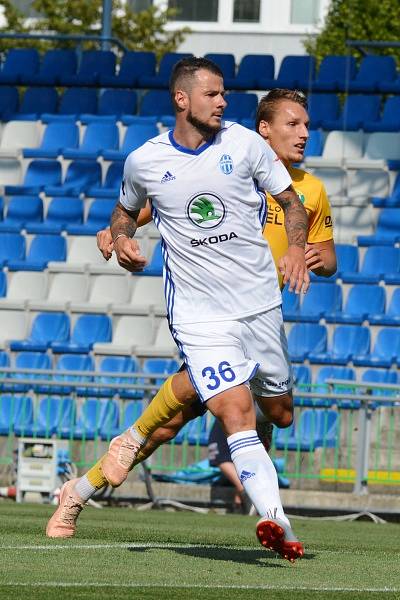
x=144, y=215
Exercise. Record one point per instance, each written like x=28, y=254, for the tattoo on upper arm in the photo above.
x=123, y=221
x=296, y=219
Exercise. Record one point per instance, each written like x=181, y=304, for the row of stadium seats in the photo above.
x=358, y=112
x=147, y=336
x=81, y=255
x=256, y=71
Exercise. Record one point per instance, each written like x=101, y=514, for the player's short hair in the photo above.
x=268, y=105
x=186, y=68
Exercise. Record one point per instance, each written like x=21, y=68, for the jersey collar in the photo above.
x=189, y=150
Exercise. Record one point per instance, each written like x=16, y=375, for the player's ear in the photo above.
x=181, y=100
x=264, y=129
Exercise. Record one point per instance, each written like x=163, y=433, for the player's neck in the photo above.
x=190, y=137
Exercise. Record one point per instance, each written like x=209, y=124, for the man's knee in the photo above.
x=278, y=409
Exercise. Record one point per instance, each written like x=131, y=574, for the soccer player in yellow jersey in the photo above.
x=282, y=120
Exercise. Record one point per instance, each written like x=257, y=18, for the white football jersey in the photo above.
x=210, y=209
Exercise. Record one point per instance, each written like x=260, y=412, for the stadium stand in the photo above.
x=39, y=174
x=334, y=74
x=46, y=329
x=9, y=102
x=20, y=282
x=54, y=64
x=133, y=65
x=80, y=176
x=17, y=135
x=373, y=71
x=88, y=330
x=60, y=212
x=93, y=65
x=111, y=184
x=347, y=341
x=56, y=136
x=294, y=72
x=226, y=63
x=161, y=78
x=42, y=250
x=19, y=63
x=250, y=68
x=20, y=211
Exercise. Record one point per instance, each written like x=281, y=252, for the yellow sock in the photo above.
x=95, y=475
x=161, y=409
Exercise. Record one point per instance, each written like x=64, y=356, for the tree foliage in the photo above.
x=145, y=30
x=370, y=20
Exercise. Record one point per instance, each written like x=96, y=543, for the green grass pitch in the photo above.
x=124, y=553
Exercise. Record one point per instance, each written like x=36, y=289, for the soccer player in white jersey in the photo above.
x=204, y=181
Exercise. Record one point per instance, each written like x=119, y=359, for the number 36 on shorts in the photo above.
x=223, y=371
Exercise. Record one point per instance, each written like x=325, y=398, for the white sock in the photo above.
x=138, y=437
x=84, y=488
x=257, y=473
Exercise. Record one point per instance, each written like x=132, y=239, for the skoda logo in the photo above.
x=206, y=210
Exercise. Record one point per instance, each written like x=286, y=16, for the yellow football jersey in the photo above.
x=312, y=194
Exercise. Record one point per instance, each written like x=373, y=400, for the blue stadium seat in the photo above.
x=133, y=65
x=198, y=431
x=335, y=73
x=24, y=416
x=156, y=103
x=315, y=143
x=56, y=136
x=301, y=375
x=357, y=110
x=393, y=200
x=39, y=174
x=3, y=293
x=390, y=87
x=240, y=106
x=392, y=314
x=320, y=300
x=390, y=119
x=12, y=247
x=384, y=376
x=290, y=303
x=81, y=175
x=335, y=372
x=98, y=136
x=54, y=64
x=373, y=71
x=9, y=101
x=305, y=338
x=35, y=102
x=88, y=329
x=160, y=366
x=91, y=415
x=347, y=259
x=161, y=79
x=52, y=414
x=22, y=209
x=117, y=103
x=19, y=63
x=73, y=362
x=386, y=351
x=112, y=183
x=387, y=230
x=10, y=407
x=347, y=341
x=94, y=63
x=47, y=328
x=135, y=136
x=155, y=267
x=225, y=61
x=60, y=213
x=130, y=412
x=322, y=106
x=316, y=428
x=294, y=72
x=379, y=262
x=30, y=360
x=43, y=249
x=252, y=66
x=73, y=103
x=98, y=218
x=112, y=366
x=363, y=300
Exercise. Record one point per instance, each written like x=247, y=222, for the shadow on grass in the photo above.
x=246, y=557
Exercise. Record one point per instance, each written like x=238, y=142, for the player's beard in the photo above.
x=202, y=127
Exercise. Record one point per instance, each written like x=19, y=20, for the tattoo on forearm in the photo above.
x=122, y=222
x=296, y=219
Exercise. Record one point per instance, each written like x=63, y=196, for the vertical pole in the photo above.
x=106, y=24
x=364, y=432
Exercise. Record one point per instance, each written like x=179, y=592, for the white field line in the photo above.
x=96, y=584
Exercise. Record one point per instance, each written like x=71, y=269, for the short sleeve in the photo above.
x=132, y=194
x=267, y=168
x=320, y=227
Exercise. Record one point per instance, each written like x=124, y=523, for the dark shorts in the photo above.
x=218, y=450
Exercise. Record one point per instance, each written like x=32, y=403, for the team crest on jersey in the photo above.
x=301, y=196
x=206, y=210
x=226, y=164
